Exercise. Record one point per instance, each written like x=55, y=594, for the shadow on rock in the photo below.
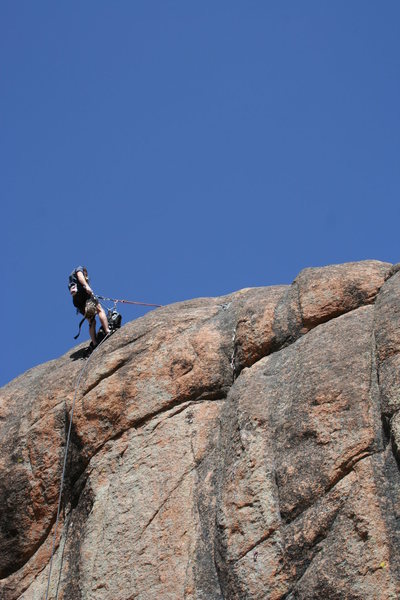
x=82, y=353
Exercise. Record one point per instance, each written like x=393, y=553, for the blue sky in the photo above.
x=183, y=149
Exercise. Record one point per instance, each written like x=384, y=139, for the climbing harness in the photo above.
x=65, y=462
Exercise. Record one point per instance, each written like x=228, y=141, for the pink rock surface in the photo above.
x=238, y=447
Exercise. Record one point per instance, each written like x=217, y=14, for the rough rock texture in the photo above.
x=243, y=447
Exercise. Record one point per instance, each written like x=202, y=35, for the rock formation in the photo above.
x=237, y=448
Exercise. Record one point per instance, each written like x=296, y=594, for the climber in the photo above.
x=86, y=302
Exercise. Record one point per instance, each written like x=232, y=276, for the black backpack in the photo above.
x=114, y=319
x=114, y=322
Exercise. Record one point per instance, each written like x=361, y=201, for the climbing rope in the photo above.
x=115, y=300
x=65, y=463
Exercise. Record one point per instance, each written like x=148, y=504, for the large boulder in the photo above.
x=243, y=447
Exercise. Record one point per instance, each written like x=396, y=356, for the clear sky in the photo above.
x=183, y=149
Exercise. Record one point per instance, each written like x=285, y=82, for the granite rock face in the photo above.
x=243, y=447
